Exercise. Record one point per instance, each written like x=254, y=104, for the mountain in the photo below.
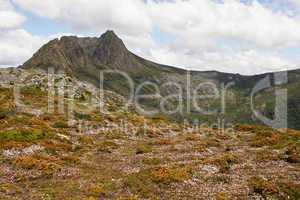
x=84, y=58
x=73, y=54
x=56, y=144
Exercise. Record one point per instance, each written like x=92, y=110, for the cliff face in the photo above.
x=72, y=53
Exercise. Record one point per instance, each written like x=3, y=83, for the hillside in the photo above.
x=91, y=155
x=84, y=58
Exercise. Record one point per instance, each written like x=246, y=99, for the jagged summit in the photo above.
x=112, y=51
x=71, y=53
x=110, y=40
x=110, y=34
x=84, y=57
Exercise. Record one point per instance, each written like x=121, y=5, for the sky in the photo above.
x=235, y=36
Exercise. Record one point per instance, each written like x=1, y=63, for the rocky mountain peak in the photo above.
x=111, y=40
x=111, y=50
x=110, y=35
x=71, y=52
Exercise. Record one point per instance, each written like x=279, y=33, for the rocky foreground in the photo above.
x=123, y=155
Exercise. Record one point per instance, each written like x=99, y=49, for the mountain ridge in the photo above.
x=85, y=57
x=117, y=48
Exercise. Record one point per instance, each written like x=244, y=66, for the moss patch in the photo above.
x=24, y=135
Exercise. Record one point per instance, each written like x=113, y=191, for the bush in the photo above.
x=32, y=91
x=71, y=160
x=60, y=124
x=141, y=184
x=219, y=179
x=267, y=155
x=278, y=190
x=86, y=140
x=192, y=137
x=207, y=143
x=143, y=148
x=225, y=161
x=82, y=116
x=9, y=188
x=222, y=196
x=107, y=146
x=169, y=175
x=103, y=189
x=30, y=162
x=27, y=162
x=261, y=186
x=163, y=141
x=4, y=114
x=23, y=135
x=292, y=155
x=152, y=161
x=290, y=190
x=146, y=182
x=245, y=128
x=96, y=191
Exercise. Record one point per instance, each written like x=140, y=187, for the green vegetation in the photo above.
x=143, y=148
x=145, y=183
x=24, y=135
x=222, y=196
x=4, y=114
x=32, y=91
x=41, y=152
x=171, y=174
x=82, y=116
x=60, y=124
x=277, y=190
x=152, y=161
x=107, y=146
x=224, y=162
x=97, y=190
x=219, y=179
x=262, y=186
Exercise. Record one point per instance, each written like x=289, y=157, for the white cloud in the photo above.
x=243, y=62
x=196, y=26
x=128, y=17
x=197, y=23
x=253, y=36
x=9, y=18
x=16, y=44
x=295, y=1
x=50, y=9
